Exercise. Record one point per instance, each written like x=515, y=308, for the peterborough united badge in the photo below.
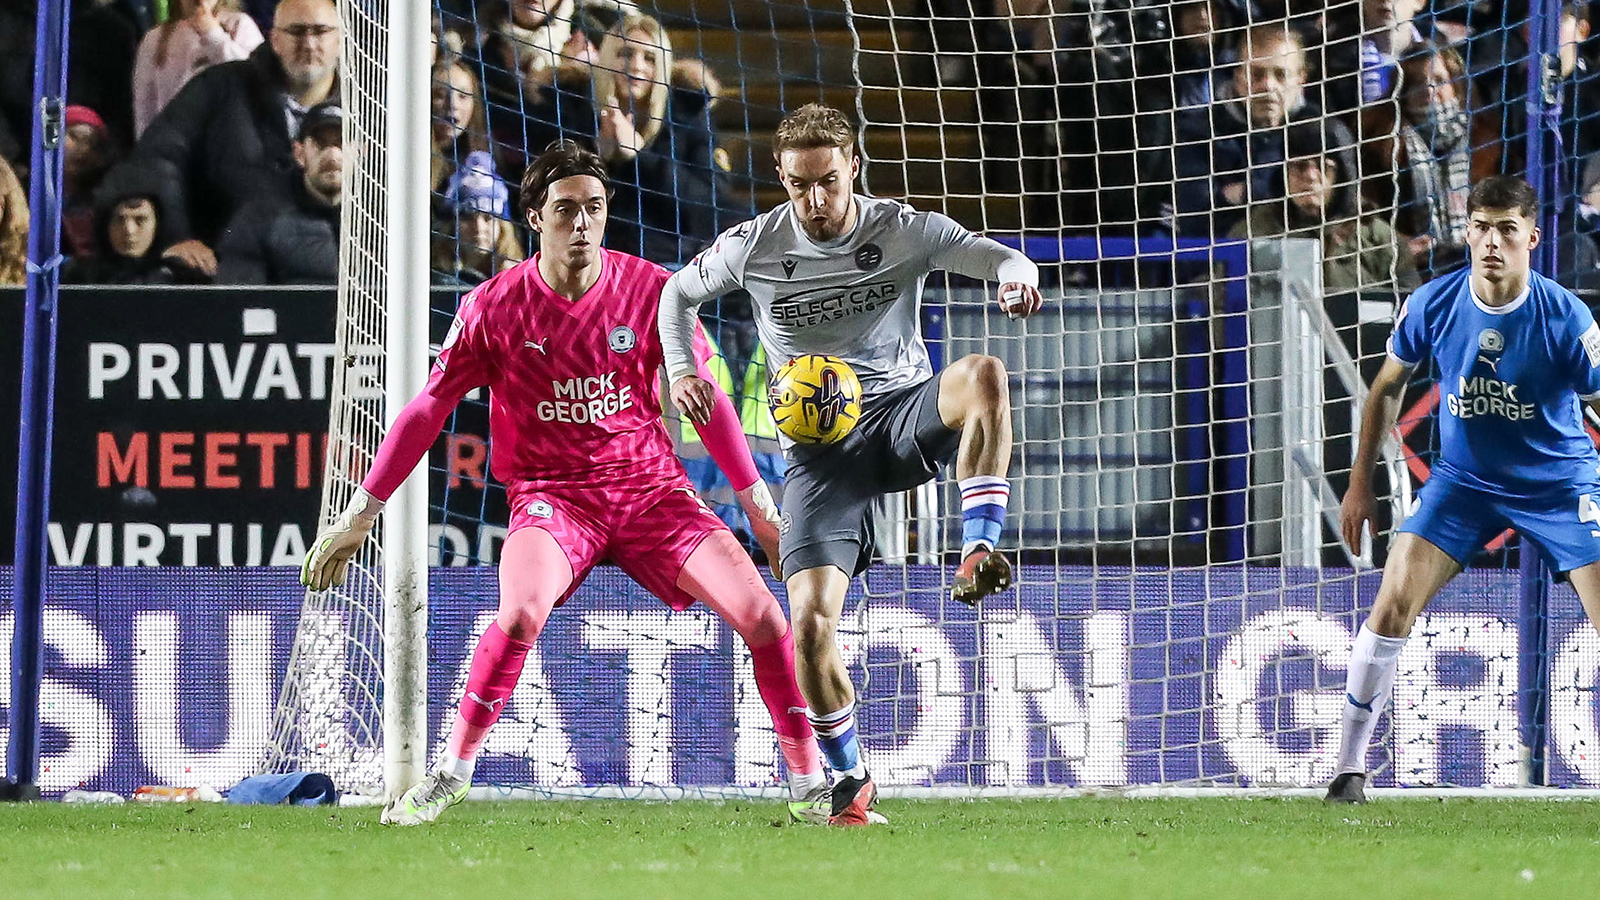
x=622, y=339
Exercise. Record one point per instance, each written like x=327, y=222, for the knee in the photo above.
x=989, y=385
x=1392, y=615
x=764, y=624
x=523, y=621
x=813, y=632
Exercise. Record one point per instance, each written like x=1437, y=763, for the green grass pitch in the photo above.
x=1099, y=848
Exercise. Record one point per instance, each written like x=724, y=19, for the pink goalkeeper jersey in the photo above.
x=573, y=386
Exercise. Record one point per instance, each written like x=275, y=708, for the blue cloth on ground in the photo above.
x=295, y=788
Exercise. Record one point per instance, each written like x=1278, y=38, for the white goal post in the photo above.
x=360, y=654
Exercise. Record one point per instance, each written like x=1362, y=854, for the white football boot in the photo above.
x=425, y=800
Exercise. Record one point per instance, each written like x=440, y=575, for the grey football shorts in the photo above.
x=899, y=443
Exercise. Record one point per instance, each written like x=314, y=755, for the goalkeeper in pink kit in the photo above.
x=566, y=343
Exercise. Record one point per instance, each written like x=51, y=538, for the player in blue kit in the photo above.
x=1517, y=355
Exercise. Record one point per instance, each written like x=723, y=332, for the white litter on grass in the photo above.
x=1527, y=874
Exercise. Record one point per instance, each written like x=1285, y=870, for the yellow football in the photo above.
x=815, y=399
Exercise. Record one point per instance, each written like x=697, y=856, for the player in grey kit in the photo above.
x=837, y=273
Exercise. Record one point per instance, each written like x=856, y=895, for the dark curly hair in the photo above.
x=562, y=159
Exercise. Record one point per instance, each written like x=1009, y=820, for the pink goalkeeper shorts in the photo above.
x=647, y=531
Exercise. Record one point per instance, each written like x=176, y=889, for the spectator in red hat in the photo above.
x=89, y=152
x=200, y=34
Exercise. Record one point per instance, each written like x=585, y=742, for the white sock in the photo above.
x=1368, y=685
x=804, y=785
x=456, y=768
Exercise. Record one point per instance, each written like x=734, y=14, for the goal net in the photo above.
x=1228, y=200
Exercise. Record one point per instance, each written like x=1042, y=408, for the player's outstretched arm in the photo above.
x=1377, y=420
x=958, y=250
x=414, y=431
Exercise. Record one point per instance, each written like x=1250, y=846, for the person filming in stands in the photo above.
x=836, y=273
x=566, y=344
x=1518, y=355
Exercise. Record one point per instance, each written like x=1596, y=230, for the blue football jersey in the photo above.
x=1510, y=383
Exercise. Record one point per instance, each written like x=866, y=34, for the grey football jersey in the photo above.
x=857, y=298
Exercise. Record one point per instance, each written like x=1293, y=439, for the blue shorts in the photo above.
x=1564, y=525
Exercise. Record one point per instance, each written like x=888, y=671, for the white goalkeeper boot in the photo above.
x=425, y=800
x=815, y=808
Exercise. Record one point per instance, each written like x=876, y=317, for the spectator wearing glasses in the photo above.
x=200, y=34
x=293, y=239
x=228, y=137
x=1424, y=149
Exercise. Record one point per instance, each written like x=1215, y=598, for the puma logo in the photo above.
x=788, y=267
x=536, y=345
x=486, y=704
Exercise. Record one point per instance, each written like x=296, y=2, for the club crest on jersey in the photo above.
x=622, y=339
x=541, y=509
x=1491, y=344
x=869, y=257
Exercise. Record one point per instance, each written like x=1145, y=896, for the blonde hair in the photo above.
x=173, y=21
x=812, y=126
x=13, y=227
x=507, y=250
x=607, y=74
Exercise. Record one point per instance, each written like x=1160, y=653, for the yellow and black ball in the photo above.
x=815, y=399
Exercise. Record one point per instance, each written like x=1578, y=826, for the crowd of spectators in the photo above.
x=1197, y=107
x=206, y=147
x=210, y=149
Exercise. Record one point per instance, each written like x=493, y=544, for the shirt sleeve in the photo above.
x=1409, y=344
x=717, y=270
x=463, y=364
x=955, y=249
x=465, y=360
x=1584, y=345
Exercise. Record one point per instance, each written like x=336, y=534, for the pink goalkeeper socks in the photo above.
x=774, y=670
x=496, y=665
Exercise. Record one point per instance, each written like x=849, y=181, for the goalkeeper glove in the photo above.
x=764, y=522
x=329, y=558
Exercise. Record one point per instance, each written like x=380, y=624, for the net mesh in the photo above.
x=329, y=713
x=1227, y=200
